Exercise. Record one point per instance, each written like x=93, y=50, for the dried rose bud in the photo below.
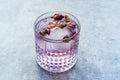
x=62, y=24
x=73, y=34
x=67, y=18
x=51, y=25
x=42, y=32
x=71, y=25
x=66, y=38
x=52, y=16
x=57, y=17
x=47, y=31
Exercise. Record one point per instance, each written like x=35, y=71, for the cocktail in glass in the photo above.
x=57, y=40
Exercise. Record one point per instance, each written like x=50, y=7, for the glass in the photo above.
x=55, y=55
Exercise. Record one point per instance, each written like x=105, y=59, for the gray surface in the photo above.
x=99, y=50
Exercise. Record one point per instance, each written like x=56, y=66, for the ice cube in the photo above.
x=44, y=22
x=58, y=33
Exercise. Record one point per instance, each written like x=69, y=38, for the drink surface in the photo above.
x=51, y=56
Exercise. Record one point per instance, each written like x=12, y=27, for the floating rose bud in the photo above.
x=42, y=32
x=52, y=16
x=66, y=38
x=73, y=34
x=67, y=19
x=71, y=25
x=58, y=17
x=52, y=25
x=62, y=24
x=47, y=31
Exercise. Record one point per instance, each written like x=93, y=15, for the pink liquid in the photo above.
x=56, y=57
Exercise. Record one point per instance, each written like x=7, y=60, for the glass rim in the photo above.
x=58, y=40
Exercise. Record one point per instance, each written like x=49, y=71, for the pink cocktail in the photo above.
x=56, y=39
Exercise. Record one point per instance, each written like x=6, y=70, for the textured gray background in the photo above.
x=99, y=49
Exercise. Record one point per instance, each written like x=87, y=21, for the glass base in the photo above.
x=56, y=66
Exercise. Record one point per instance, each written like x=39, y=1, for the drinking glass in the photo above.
x=55, y=55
